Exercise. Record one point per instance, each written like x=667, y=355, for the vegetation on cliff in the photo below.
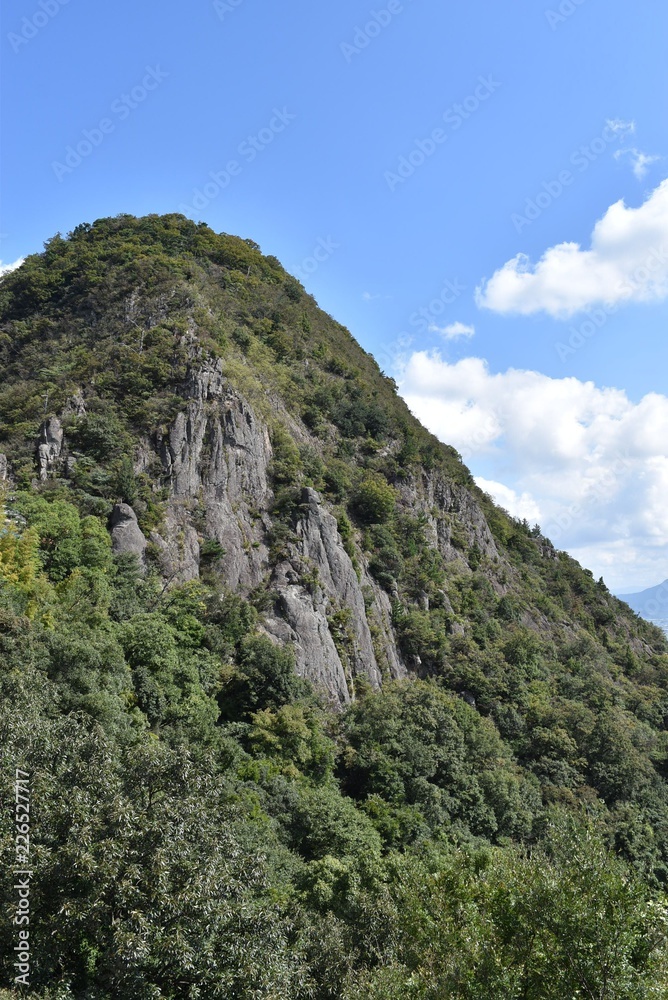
x=494, y=824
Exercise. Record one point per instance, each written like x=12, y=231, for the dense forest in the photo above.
x=475, y=807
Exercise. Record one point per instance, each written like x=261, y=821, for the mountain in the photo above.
x=186, y=387
x=265, y=641
x=650, y=603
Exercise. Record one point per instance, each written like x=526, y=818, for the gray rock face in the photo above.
x=324, y=618
x=126, y=535
x=215, y=457
x=322, y=546
x=76, y=405
x=50, y=446
x=303, y=624
x=4, y=471
x=178, y=545
x=388, y=657
x=451, y=512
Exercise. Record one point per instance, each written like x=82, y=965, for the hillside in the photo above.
x=265, y=641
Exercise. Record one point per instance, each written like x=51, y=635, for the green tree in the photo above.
x=264, y=678
x=374, y=500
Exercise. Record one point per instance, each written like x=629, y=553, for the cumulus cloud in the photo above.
x=519, y=505
x=6, y=268
x=586, y=462
x=453, y=331
x=640, y=162
x=627, y=262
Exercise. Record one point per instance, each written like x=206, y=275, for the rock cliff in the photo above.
x=216, y=458
x=221, y=426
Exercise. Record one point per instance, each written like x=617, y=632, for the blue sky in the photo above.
x=314, y=106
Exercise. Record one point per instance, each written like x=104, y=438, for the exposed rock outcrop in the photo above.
x=177, y=545
x=323, y=607
x=126, y=535
x=321, y=545
x=455, y=519
x=4, y=470
x=76, y=405
x=215, y=458
x=50, y=446
x=303, y=623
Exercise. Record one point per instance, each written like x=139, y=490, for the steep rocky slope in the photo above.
x=186, y=389
x=208, y=493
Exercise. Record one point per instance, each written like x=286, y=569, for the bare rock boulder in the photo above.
x=50, y=445
x=126, y=535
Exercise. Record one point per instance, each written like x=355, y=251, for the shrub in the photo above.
x=375, y=500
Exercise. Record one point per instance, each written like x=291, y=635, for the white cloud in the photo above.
x=620, y=127
x=627, y=262
x=586, y=462
x=6, y=268
x=453, y=331
x=368, y=297
x=640, y=161
x=523, y=506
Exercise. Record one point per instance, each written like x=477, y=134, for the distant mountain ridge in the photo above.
x=650, y=603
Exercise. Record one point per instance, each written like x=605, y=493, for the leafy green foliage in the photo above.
x=494, y=826
x=374, y=500
x=416, y=746
x=564, y=921
x=264, y=679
